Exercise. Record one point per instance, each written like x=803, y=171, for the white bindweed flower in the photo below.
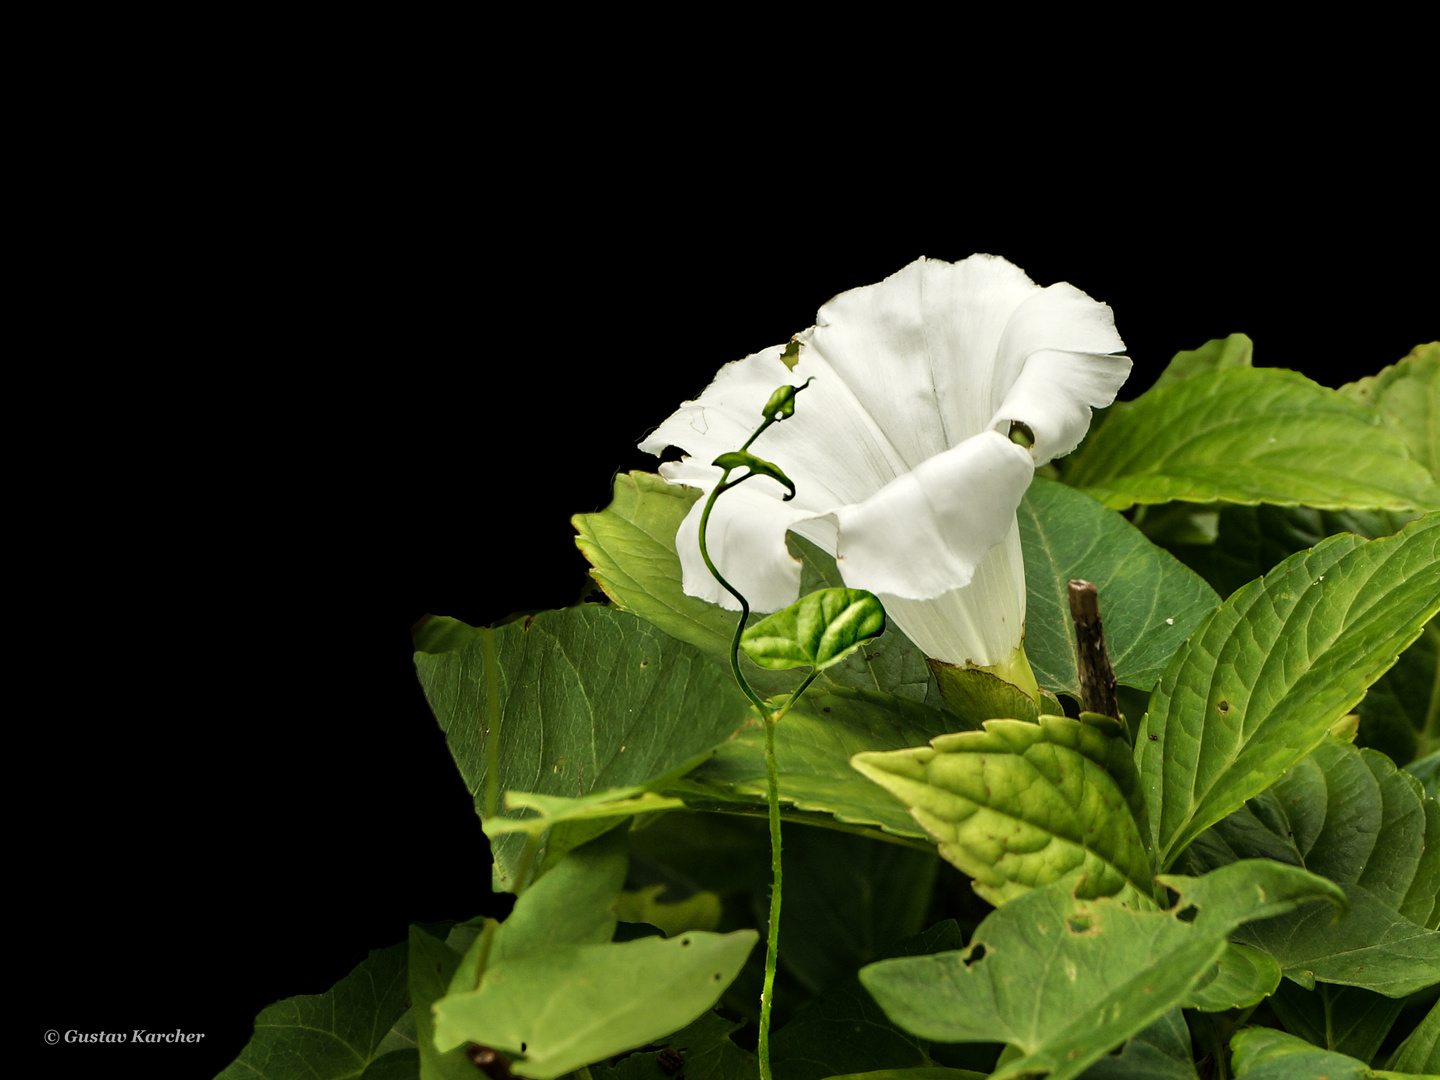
x=900, y=449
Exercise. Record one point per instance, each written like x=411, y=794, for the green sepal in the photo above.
x=816, y=631
x=781, y=405
x=739, y=459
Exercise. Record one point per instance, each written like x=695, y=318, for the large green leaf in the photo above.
x=1020, y=804
x=566, y=1006
x=1233, y=545
x=1065, y=979
x=1265, y=1054
x=337, y=1035
x=1249, y=435
x=568, y=703
x=1351, y=816
x=1237, y=350
x=814, y=743
x=1371, y=946
x=1262, y=679
x=1407, y=395
x=1150, y=602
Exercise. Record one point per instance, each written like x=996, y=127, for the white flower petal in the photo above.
x=924, y=533
x=745, y=538
x=899, y=449
x=918, y=350
x=979, y=625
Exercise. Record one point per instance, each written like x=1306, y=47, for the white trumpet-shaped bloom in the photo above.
x=899, y=448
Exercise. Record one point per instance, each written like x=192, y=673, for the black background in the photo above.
x=365, y=377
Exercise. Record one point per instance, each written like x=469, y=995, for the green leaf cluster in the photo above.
x=1237, y=877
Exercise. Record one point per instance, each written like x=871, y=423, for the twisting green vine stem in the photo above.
x=781, y=405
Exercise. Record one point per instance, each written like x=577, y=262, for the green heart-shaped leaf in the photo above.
x=816, y=631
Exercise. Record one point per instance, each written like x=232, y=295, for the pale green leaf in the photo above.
x=1019, y=805
x=1237, y=350
x=1407, y=395
x=334, y=1035
x=574, y=904
x=706, y=1053
x=631, y=548
x=1149, y=601
x=1242, y=977
x=432, y=966
x=569, y=703
x=552, y=809
x=1262, y=679
x=818, y=630
x=1250, y=435
x=1265, y=1054
x=1065, y=980
x=557, y=1009
x=698, y=911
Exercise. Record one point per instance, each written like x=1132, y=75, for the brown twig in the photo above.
x=1097, y=677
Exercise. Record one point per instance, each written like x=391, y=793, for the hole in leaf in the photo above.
x=715, y=977
x=1117, y=1051
x=1188, y=914
x=684, y=942
x=1224, y=706
x=523, y=1047
x=1079, y=924
x=976, y=954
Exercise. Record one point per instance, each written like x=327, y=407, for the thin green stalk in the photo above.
x=774, y=412
x=527, y=856
x=720, y=488
x=772, y=944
